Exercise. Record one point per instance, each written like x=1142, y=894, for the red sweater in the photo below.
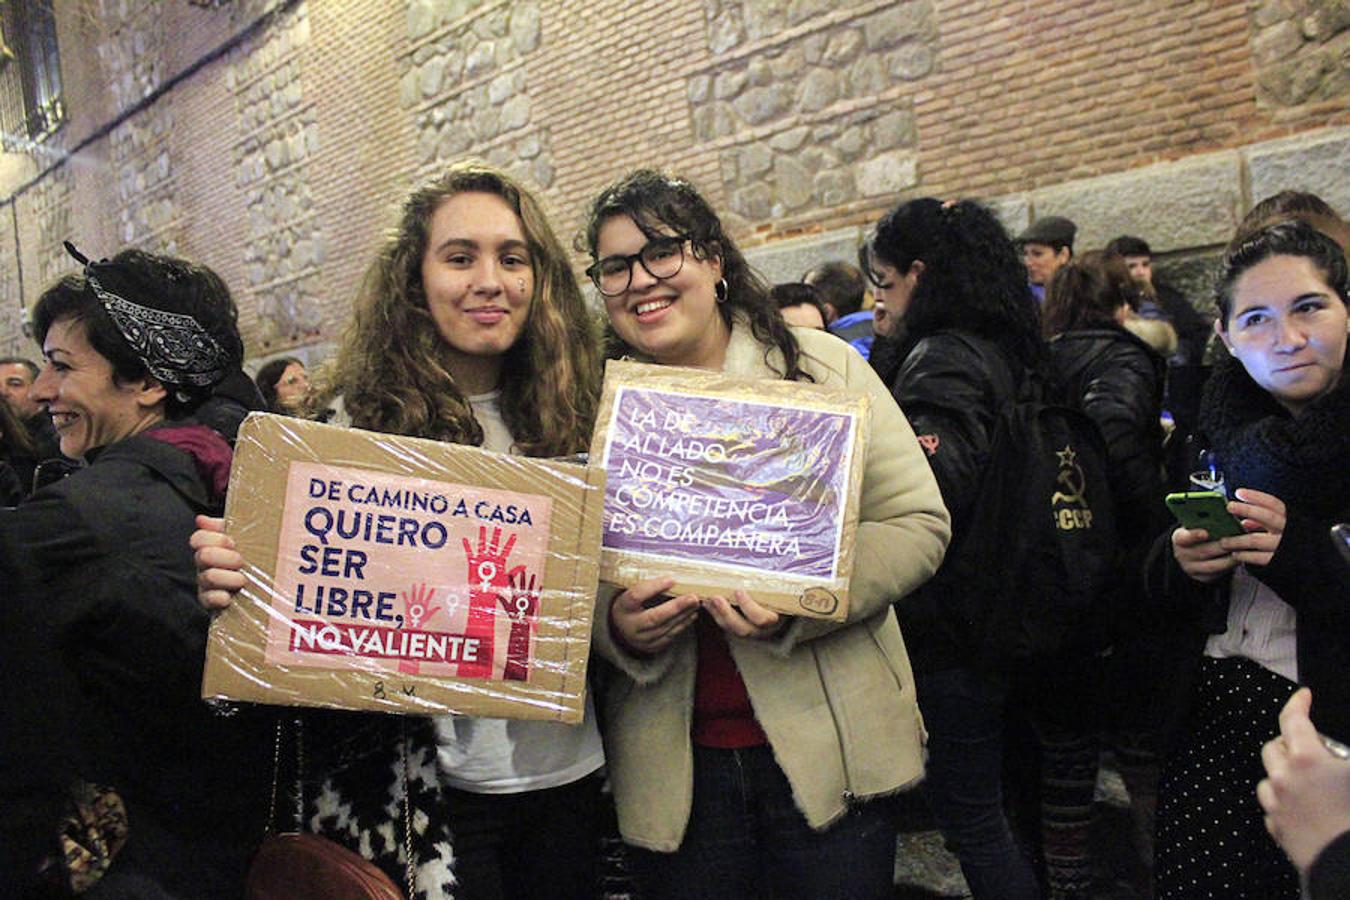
x=723, y=717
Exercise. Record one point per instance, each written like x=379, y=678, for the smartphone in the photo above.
x=1341, y=535
x=1207, y=510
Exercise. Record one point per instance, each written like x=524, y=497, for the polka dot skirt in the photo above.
x=1212, y=841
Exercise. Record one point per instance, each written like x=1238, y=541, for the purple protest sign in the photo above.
x=722, y=482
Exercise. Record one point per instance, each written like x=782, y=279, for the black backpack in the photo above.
x=1039, y=561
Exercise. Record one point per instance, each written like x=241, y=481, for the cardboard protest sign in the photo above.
x=727, y=483
x=405, y=575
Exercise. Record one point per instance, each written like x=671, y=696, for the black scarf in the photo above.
x=1303, y=460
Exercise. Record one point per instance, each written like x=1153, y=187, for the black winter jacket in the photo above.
x=1117, y=380
x=1301, y=460
x=951, y=386
x=101, y=591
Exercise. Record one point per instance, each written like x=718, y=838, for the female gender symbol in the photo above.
x=487, y=570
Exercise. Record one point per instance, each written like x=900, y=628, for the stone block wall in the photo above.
x=142, y=153
x=808, y=104
x=273, y=163
x=1301, y=50
x=50, y=206
x=11, y=307
x=281, y=161
x=468, y=89
x=133, y=54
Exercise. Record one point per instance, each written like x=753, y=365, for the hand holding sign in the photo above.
x=746, y=619
x=647, y=629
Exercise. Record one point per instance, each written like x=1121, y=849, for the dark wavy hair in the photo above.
x=659, y=205
x=550, y=382
x=159, y=282
x=1290, y=238
x=269, y=376
x=972, y=278
x=1087, y=292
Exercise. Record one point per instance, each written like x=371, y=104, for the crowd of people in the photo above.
x=741, y=751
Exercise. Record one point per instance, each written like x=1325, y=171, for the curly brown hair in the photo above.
x=392, y=369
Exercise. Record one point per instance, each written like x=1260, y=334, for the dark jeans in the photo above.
x=747, y=839
x=963, y=712
x=541, y=843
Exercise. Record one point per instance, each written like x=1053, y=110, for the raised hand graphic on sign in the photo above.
x=417, y=609
x=522, y=606
x=417, y=606
x=489, y=576
x=487, y=564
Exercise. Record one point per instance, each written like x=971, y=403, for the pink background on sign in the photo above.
x=399, y=569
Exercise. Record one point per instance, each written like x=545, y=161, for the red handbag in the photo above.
x=297, y=865
x=308, y=867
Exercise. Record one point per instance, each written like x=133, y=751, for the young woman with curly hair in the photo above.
x=433, y=352
x=951, y=277
x=748, y=750
x=469, y=328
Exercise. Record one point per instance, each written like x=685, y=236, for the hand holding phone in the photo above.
x=1207, y=510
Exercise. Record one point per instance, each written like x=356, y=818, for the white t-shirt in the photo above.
x=510, y=756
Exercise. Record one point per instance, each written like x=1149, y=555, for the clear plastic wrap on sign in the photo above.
x=727, y=483
x=406, y=575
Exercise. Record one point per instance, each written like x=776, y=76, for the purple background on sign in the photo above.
x=793, y=459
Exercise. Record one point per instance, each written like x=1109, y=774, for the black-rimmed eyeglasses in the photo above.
x=662, y=257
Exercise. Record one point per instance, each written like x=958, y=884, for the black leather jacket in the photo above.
x=1117, y=380
x=101, y=603
x=951, y=386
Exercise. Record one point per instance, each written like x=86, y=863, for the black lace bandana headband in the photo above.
x=174, y=347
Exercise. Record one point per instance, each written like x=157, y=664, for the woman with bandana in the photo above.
x=106, y=638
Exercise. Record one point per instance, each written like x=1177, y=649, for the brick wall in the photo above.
x=280, y=161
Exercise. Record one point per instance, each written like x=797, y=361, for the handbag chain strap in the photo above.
x=405, y=777
x=271, y=826
x=299, y=774
x=407, y=810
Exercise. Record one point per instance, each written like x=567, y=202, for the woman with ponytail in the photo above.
x=950, y=276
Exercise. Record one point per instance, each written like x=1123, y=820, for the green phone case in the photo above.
x=1207, y=510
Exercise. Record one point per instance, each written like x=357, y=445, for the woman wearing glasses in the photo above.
x=748, y=749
